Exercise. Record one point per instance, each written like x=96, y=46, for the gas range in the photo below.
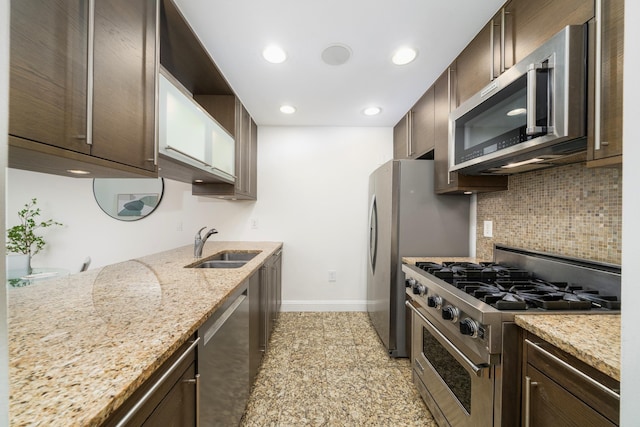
x=470, y=301
x=512, y=288
x=465, y=344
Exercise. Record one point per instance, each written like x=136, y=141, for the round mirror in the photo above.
x=128, y=199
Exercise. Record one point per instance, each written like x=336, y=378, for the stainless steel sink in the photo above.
x=225, y=259
x=233, y=256
x=219, y=264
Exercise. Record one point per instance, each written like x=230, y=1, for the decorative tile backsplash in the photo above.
x=570, y=210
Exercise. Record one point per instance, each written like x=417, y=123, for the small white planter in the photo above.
x=18, y=265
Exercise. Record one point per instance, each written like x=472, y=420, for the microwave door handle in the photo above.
x=532, y=81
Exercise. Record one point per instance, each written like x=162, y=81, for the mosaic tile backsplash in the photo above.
x=570, y=210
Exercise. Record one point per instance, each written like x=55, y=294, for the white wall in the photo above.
x=630, y=224
x=312, y=195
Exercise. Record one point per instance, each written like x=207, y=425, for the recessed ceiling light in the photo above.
x=404, y=55
x=274, y=54
x=198, y=181
x=287, y=109
x=372, y=111
x=78, y=172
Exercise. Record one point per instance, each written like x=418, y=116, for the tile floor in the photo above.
x=330, y=369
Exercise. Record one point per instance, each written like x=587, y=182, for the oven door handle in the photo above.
x=477, y=369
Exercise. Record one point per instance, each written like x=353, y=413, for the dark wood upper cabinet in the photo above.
x=413, y=135
x=124, y=84
x=48, y=72
x=453, y=182
x=607, y=149
x=531, y=23
x=82, y=93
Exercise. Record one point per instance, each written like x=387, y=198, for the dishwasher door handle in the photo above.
x=209, y=333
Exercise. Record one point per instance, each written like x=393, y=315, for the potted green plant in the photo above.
x=21, y=239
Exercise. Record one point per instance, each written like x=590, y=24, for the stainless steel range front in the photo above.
x=464, y=340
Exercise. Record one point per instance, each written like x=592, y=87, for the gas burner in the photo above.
x=509, y=288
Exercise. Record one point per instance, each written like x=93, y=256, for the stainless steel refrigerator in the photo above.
x=407, y=218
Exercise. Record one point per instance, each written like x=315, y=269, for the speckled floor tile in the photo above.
x=330, y=369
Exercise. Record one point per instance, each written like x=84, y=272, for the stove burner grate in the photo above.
x=509, y=288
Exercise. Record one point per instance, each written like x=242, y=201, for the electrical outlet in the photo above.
x=332, y=275
x=488, y=229
x=179, y=226
x=254, y=223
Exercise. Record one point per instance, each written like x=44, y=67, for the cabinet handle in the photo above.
x=124, y=420
x=196, y=381
x=492, y=71
x=532, y=82
x=409, y=139
x=598, y=143
x=527, y=400
x=156, y=74
x=91, y=25
x=222, y=319
x=502, y=41
x=577, y=372
x=449, y=122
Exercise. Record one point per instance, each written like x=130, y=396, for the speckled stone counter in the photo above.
x=79, y=346
x=594, y=339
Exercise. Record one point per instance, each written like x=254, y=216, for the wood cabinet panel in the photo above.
x=413, y=135
x=66, y=115
x=559, y=389
x=473, y=65
x=124, y=82
x=534, y=22
x=551, y=405
x=48, y=72
x=422, y=125
x=401, y=138
x=609, y=150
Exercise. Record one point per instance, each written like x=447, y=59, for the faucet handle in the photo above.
x=198, y=234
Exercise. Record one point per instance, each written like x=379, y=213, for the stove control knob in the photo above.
x=434, y=301
x=419, y=289
x=450, y=313
x=469, y=327
x=410, y=282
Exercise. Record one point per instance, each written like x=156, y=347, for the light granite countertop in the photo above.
x=593, y=339
x=79, y=346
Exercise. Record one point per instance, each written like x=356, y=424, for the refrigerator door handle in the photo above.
x=373, y=233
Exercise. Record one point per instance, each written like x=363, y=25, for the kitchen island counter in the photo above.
x=79, y=346
x=593, y=339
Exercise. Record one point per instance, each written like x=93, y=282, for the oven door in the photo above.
x=457, y=391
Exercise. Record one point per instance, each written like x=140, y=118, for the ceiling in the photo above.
x=236, y=31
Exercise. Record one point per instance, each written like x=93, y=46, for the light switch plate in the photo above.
x=488, y=228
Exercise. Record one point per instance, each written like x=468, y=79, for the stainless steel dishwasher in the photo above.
x=223, y=363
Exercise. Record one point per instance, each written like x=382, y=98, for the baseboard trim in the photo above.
x=333, y=305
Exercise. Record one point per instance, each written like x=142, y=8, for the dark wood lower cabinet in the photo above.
x=560, y=390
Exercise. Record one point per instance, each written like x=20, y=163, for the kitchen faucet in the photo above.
x=199, y=241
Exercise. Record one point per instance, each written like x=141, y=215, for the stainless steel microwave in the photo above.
x=529, y=117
